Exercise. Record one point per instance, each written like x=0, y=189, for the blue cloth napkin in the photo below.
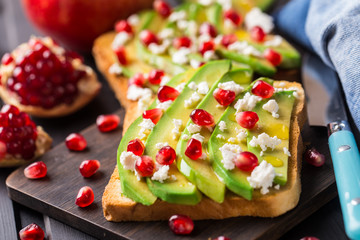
x=330, y=28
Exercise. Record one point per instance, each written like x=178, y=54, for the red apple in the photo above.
x=76, y=23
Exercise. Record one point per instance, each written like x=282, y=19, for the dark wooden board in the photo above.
x=55, y=195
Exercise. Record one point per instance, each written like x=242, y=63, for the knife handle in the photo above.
x=346, y=161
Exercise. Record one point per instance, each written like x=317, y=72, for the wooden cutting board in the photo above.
x=55, y=195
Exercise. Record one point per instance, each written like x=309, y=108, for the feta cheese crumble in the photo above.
x=262, y=177
x=244, y=48
x=128, y=160
x=194, y=99
x=133, y=20
x=272, y=107
x=134, y=92
x=264, y=141
x=146, y=126
x=194, y=63
x=164, y=105
x=120, y=39
x=203, y=88
x=185, y=137
x=257, y=18
x=222, y=126
x=192, y=86
x=219, y=136
x=242, y=134
x=286, y=151
x=160, y=145
x=232, y=86
x=209, y=55
x=275, y=42
x=176, y=16
x=193, y=128
x=198, y=137
x=180, y=87
x=166, y=33
x=181, y=56
x=247, y=103
x=161, y=173
x=159, y=48
x=164, y=80
x=229, y=152
x=177, y=128
x=115, y=69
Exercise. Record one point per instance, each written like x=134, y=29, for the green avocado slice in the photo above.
x=180, y=191
x=200, y=171
x=136, y=190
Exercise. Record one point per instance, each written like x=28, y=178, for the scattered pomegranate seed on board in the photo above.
x=75, y=142
x=314, y=157
x=35, y=170
x=107, y=123
x=85, y=197
x=32, y=232
x=136, y=146
x=247, y=119
x=89, y=167
x=181, y=224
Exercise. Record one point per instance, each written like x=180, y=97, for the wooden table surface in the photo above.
x=326, y=223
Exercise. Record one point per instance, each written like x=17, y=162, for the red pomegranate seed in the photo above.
x=224, y=97
x=166, y=93
x=155, y=76
x=314, y=157
x=147, y=37
x=136, y=146
x=73, y=55
x=35, y=170
x=247, y=119
x=75, y=142
x=89, y=167
x=123, y=26
x=7, y=59
x=257, y=34
x=166, y=155
x=193, y=149
x=228, y=39
x=153, y=114
x=207, y=28
x=233, y=16
x=121, y=55
x=246, y=161
x=10, y=109
x=202, y=118
x=272, y=56
x=2, y=149
x=107, y=123
x=309, y=238
x=207, y=46
x=262, y=89
x=182, y=42
x=145, y=166
x=138, y=79
x=162, y=8
x=181, y=224
x=222, y=238
x=85, y=197
x=32, y=232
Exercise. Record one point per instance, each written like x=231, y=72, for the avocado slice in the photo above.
x=200, y=171
x=180, y=191
x=136, y=190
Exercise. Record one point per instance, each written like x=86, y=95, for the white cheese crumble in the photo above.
x=264, y=141
x=182, y=24
x=219, y=136
x=286, y=151
x=198, y=137
x=193, y=128
x=262, y=177
x=185, y=137
x=181, y=56
x=160, y=145
x=206, y=2
x=134, y=92
x=222, y=126
x=232, y=86
x=120, y=39
x=164, y=105
x=146, y=126
x=192, y=86
x=232, y=140
x=177, y=128
x=144, y=101
x=204, y=156
x=272, y=107
x=277, y=187
x=166, y=33
x=244, y=48
x=180, y=87
x=115, y=69
x=159, y=49
x=128, y=160
x=192, y=28
x=209, y=55
x=229, y=25
x=257, y=18
x=203, y=88
x=275, y=42
x=195, y=63
x=133, y=20
x=226, y=4
x=247, y=103
x=176, y=16
x=194, y=99
x=242, y=134
x=229, y=152
x=161, y=174
x=295, y=93
x=164, y=80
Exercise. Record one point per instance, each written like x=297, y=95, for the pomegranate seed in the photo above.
x=247, y=119
x=246, y=161
x=75, y=142
x=121, y=55
x=145, y=166
x=32, y=232
x=136, y=146
x=153, y=114
x=138, y=79
x=7, y=59
x=228, y=39
x=315, y=158
x=257, y=34
x=262, y=89
x=193, y=149
x=166, y=155
x=2, y=149
x=166, y=93
x=181, y=224
x=155, y=76
x=147, y=37
x=207, y=28
x=123, y=26
x=182, y=42
x=10, y=109
x=89, y=167
x=272, y=56
x=35, y=170
x=233, y=16
x=224, y=97
x=85, y=197
x=309, y=238
x=207, y=46
x=162, y=8
x=222, y=238
x=202, y=118
x=107, y=123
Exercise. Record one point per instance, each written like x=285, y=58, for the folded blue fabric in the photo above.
x=330, y=28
